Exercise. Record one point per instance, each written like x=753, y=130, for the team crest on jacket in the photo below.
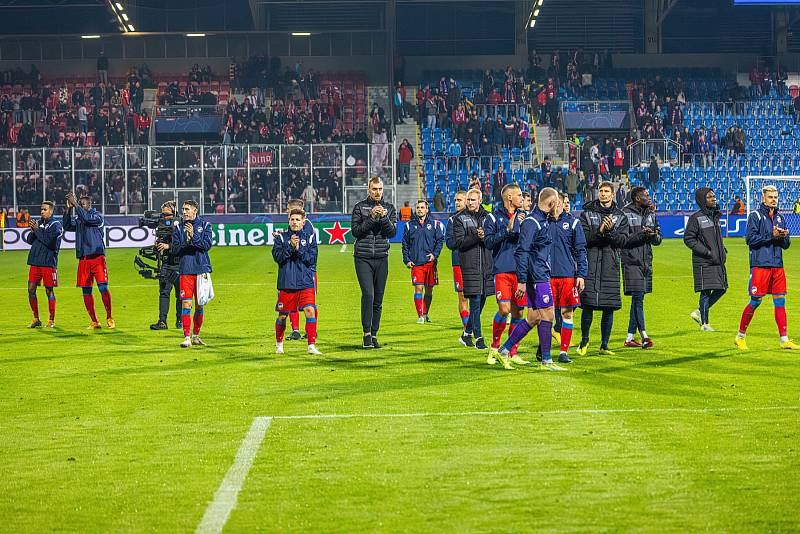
x=303, y=242
x=565, y=226
x=428, y=226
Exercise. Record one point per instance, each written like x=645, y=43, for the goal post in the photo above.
x=788, y=194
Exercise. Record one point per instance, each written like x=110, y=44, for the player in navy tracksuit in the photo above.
x=294, y=317
x=45, y=241
x=87, y=223
x=295, y=252
x=191, y=241
x=533, y=278
x=422, y=243
x=501, y=235
x=458, y=280
x=767, y=237
x=568, y=269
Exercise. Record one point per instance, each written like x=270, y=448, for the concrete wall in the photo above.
x=375, y=66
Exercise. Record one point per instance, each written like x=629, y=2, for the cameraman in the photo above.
x=169, y=274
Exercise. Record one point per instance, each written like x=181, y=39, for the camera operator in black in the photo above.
x=169, y=274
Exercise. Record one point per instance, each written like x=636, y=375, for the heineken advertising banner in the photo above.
x=225, y=235
x=331, y=230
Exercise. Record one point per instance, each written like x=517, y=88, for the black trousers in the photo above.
x=372, y=274
x=169, y=281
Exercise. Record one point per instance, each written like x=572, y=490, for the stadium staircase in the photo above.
x=544, y=140
x=149, y=104
x=410, y=192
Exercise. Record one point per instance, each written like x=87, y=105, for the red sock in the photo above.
x=419, y=305
x=294, y=319
x=34, y=302
x=780, y=319
x=280, y=329
x=51, y=304
x=311, y=330
x=106, y=296
x=464, y=318
x=566, y=335
x=498, y=327
x=186, y=321
x=747, y=316
x=88, y=301
x=198, y=321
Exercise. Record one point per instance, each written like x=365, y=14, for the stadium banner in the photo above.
x=331, y=230
x=264, y=158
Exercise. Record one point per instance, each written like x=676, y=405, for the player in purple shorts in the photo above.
x=533, y=276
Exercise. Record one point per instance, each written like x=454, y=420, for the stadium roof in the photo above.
x=35, y=17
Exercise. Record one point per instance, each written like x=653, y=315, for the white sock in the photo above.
x=740, y=335
x=784, y=339
x=644, y=334
x=629, y=338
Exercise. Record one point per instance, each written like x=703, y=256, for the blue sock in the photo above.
x=516, y=336
x=545, y=339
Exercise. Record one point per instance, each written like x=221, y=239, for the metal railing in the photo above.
x=594, y=106
x=189, y=110
x=128, y=180
x=566, y=150
x=750, y=110
x=665, y=150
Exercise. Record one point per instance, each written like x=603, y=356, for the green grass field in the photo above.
x=123, y=431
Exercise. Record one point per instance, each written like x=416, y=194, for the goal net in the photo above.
x=788, y=195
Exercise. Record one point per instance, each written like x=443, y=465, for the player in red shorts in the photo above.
x=458, y=280
x=568, y=267
x=45, y=241
x=767, y=237
x=501, y=236
x=191, y=241
x=87, y=223
x=422, y=243
x=294, y=317
x=295, y=252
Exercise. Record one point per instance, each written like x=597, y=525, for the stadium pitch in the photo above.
x=124, y=431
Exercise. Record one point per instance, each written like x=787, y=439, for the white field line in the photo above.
x=219, y=510
x=344, y=248
x=586, y=411
x=224, y=502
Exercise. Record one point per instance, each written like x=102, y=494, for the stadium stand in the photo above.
x=704, y=128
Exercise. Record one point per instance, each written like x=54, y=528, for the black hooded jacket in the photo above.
x=703, y=236
x=637, y=256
